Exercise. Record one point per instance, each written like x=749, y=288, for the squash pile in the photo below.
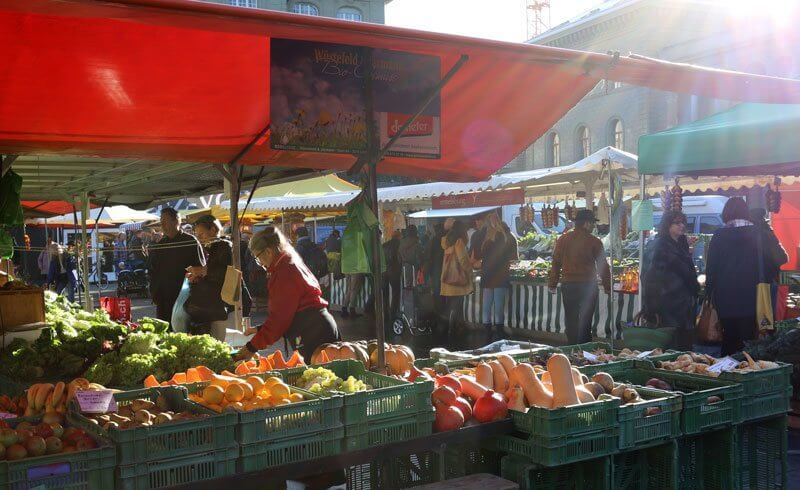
x=399, y=358
x=695, y=363
x=227, y=393
x=142, y=413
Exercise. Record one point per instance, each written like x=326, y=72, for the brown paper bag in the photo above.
x=709, y=329
x=232, y=287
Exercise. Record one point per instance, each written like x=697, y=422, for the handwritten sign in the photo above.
x=722, y=365
x=644, y=354
x=589, y=356
x=96, y=401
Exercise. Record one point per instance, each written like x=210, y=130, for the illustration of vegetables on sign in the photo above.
x=318, y=98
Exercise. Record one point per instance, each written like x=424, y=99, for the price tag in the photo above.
x=6, y=415
x=722, y=365
x=644, y=354
x=96, y=401
x=589, y=356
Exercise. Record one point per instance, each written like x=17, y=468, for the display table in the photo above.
x=530, y=307
x=294, y=471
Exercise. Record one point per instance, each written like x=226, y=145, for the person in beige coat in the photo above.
x=456, y=275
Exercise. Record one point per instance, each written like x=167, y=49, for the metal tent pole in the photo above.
x=87, y=298
x=611, y=315
x=642, y=196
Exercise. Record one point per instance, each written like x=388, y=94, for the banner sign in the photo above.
x=318, y=99
x=479, y=199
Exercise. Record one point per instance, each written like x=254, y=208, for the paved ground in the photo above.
x=363, y=327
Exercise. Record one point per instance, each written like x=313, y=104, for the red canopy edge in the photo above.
x=52, y=208
x=177, y=80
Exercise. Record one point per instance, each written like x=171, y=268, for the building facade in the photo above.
x=696, y=32
x=355, y=10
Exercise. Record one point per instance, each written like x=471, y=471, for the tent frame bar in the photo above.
x=5, y=164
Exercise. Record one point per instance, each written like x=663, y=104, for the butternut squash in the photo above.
x=546, y=377
x=484, y=376
x=576, y=376
x=564, y=393
x=535, y=392
x=584, y=395
x=472, y=388
x=499, y=376
x=508, y=363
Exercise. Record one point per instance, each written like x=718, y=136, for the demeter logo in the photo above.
x=422, y=125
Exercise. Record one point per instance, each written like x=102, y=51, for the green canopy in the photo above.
x=316, y=185
x=749, y=139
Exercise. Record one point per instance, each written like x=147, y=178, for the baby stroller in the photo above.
x=416, y=312
x=131, y=282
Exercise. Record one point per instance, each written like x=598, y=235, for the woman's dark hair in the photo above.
x=735, y=208
x=667, y=219
x=458, y=231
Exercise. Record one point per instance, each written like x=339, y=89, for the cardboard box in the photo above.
x=20, y=308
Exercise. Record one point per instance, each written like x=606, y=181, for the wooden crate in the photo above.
x=20, y=308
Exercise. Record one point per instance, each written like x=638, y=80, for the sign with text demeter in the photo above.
x=318, y=98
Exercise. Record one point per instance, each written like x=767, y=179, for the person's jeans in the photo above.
x=580, y=303
x=493, y=301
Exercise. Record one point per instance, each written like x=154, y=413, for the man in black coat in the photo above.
x=169, y=259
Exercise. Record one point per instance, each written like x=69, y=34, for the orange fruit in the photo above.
x=295, y=397
x=234, y=392
x=213, y=394
x=279, y=390
x=272, y=380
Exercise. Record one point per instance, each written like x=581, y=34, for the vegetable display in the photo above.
x=701, y=364
x=30, y=439
x=399, y=358
x=225, y=393
x=324, y=382
x=142, y=413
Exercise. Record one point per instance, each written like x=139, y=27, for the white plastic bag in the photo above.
x=180, y=319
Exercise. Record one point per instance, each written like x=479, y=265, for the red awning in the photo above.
x=176, y=80
x=48, y=208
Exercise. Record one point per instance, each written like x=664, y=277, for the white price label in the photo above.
x=644, y=354
x=722, y=365
x=96, y=401
x=589, y=356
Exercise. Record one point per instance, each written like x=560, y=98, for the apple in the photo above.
x=43, y=430
x=3, y=424
x=53, y=418
x=8, y=437
x=25, y=425
x=68, y=449
x=36, y=446
x=85, y=443
x=58, y=430
x=69, y=431
x=15, y=452
x=54, y=445
x=24, y=434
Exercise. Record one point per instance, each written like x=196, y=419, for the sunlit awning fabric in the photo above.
x=175, y=80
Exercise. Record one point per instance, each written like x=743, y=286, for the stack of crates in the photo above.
x=176, y=453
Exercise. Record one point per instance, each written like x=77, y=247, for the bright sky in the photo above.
x=503, y=20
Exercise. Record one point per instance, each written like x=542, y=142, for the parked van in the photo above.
x=703, y=213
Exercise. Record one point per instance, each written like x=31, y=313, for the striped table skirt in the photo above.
x=529, y=306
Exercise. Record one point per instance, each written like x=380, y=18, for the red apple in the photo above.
x=43, y=430
x=54, y=445
x=69, y=431
x=15, y=452
x=85, y=443
x=68, y=449
x=36, y=446
x=24, y=435
x=25, y=425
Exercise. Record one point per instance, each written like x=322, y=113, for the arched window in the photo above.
x=349, y=13
x=553, y=150
x=616, y=134
x=244, y=3
x=305, y=8
x=584, y=142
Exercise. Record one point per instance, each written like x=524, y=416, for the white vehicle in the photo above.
x=703, y=213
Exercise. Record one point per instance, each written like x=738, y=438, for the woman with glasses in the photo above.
x=297, y=310
x=670, y=283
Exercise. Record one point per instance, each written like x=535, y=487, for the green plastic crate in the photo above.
x=753, y=383
x=92, y=469
x=636, y=429
x=538, y=355
x=388, y=398
x=567, y=421
x=399, y=472
x=315, y=414
x=766, y=405
x=263, y=455
x=706, y=461
x=141, y=444
x=459, y=460
x=698, y=414
x=653, y=468
x=761, y=449
x=403, y=428
x=556, y=451
x=588, y=475
x=425, y=363
x=606, y=367
x=183, y=470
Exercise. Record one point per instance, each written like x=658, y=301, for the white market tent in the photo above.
x=111, y=215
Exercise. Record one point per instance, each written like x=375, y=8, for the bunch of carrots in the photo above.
x=255, y=366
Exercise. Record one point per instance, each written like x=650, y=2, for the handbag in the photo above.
x=709, y=329
x=452, y=273
x=232, y=286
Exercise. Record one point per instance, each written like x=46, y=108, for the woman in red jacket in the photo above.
x=297, y=310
